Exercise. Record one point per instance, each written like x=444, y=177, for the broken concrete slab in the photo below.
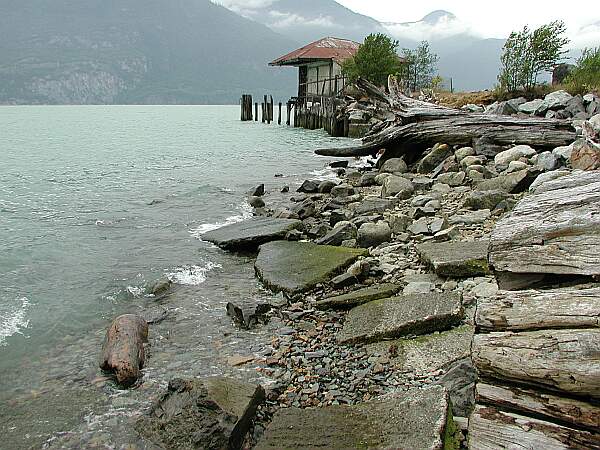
x=294, y=267
x=456, y=259
x=249, y=234
x=416, y=419
x=206, y=413
x=401, y=316
x=426, y=354
x=359, y=296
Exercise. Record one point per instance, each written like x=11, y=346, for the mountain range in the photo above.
x=196, y=51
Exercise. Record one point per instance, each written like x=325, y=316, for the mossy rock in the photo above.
x=456, y=259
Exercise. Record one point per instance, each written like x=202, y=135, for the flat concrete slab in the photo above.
x=416, y=419
x=249, y=234
x=401, y=316
x=456, y=259
x=358, y=297
x=186, y=415
x=426, y=354
x=294, y=267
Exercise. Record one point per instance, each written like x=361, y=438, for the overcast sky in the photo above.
x=488, y=18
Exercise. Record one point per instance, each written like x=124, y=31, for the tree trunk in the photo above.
x=558, y=360
x=567, y=411
x=536, y=310
x=491, y=429
x=420, y=125
x=123, y=348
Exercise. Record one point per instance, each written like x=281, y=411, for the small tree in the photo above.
x=420, y=67
x=586, y=75
x=375, y=60
x=527, y=54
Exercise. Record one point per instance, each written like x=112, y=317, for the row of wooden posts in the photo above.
x=267, y=108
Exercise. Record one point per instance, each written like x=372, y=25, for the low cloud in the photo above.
x=285, y=20
x=419, y=31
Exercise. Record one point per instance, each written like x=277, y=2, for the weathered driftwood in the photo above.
x=537, y=310
x=563, y=410
x=556, y=231
x=491, y=429
x=558, y=360
x=420, y=125
x=123, y=348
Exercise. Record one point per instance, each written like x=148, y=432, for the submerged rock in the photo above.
x=160, y=287
x=309, y=187
x=214, y=413
x=294, y=267
x=251, y=233
x=416, y=419
x=401, y=316
x=248, y=314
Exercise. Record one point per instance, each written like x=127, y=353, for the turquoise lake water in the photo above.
x=97, y=202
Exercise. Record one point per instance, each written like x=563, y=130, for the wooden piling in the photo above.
x=246, y=107
x=256, y=111
x=279, y=117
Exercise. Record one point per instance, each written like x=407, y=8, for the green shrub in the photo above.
x=375, y=60
x=585, y=77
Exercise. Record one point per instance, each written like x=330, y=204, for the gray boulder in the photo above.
x=532, y=107
x=373, y=234
x=485, y=199
x=513, y=183
x=504, y=158
x=557, y=100
x=564, y=153
x=342, y=231
x=368, y=179
x=309, y=187
x=452, y=178
x=546, y=161
x=463, y=152
x=394, y=165
x=325, y=187
x=398, y=187
x=342, y=190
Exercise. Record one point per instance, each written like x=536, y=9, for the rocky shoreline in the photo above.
x=389, y=283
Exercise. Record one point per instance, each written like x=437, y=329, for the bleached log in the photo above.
x=123, y=349
x=568, y=411
x=421, y=125
x=556, y=231
x=558, y=360
x=536, y=310
x=491, y=429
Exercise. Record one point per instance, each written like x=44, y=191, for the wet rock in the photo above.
x=309, y=187
x=294, y=267
x=358, y=297
x=456, y=259
x=585, y=155
x=373, y=234
x=401, y=316
x=160, y=287
x=485, y=199
x=214, y=413
x=248, y=314
x=342, y=231
x=416, y=419
x=437, y=155
x=338, y=164
x=251, y=233
x=284, y=213
x=285, y=189
x=256, y=202
x=394, y=165
x=257, y=191
x=504, y=158
x=325, y=187
x=512, y=183
x=398, y=187
x=342, y=190
x=304, y=209
x=460, y=381
x=123, y=349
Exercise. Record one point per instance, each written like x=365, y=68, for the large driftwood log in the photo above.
x=555, y=231
x=491, y=429
x=558, y=360
x=537, y=310
x=567, y=411
x=123, y=348
x=420, y=125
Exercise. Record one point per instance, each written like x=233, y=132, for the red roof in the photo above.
x=323, y=49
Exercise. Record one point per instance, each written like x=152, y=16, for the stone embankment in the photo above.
x=449, y=300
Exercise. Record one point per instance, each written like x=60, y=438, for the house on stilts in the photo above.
x=320, y=81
